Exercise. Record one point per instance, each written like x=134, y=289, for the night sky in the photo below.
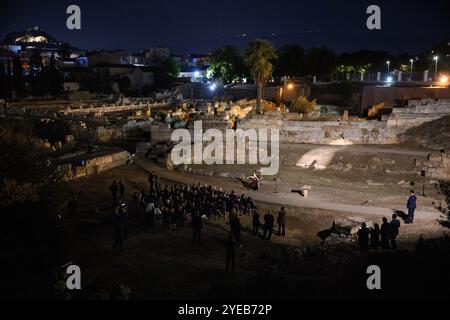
x=199, y=26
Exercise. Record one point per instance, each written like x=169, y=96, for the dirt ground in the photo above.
x=378, y=176
x=166, y=265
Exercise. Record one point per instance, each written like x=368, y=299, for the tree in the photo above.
x=48, y=81
x=165, y=74
x=32, y=196
x=303, y=105
x=52, y=130
x=320, y=62
x=363, y=69
x=290, y=62
x=377, y=59
x=124, y=84
x=259, y=57
x=227, y=65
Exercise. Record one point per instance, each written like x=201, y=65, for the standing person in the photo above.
x=395, y=230
x=375, y=236
x=268, y=225
x=151, y=179
x=114, y=190
x=118, y=233
x=235, y=226
x=73, y=205
x=136, y=200
x=197, y=226
x=282, y=222
x=363, y=238
x=231, y=252
x=158, y=218
x=121, y=189
x=255, y=222
x=412, y=206
x=385, y=234
x=149, y=211
x=123, y=211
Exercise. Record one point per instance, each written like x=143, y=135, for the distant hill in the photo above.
x=432, y=135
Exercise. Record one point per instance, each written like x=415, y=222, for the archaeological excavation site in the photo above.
x=228, y=163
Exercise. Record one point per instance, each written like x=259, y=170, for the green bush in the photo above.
x=303, y=105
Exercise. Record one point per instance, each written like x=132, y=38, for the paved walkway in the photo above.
x=284, y=198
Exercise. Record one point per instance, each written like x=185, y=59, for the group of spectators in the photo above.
x=182, y=206
x=191, y=206
x=376, y=237
x=386, y=235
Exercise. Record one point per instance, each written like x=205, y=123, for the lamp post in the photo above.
x=436, y=58
x=411, y=71
x=388, y=65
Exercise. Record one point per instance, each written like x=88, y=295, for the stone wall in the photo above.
x=438, y=166
x=325, y=132
x=161, y=132
x=373, y=95
x=100, y=164
x=337, y=132
x=387, y=131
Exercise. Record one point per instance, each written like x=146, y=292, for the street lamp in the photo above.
x=412, y=66
x=436, y=58
x=389, y=65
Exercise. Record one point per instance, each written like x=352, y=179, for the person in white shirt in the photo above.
x=158, y=217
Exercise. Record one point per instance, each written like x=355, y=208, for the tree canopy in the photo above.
x=290, y=61
x=259, y=56
x=227, y=65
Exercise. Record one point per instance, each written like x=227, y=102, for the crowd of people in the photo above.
x=386, y=235
x=191, y=206
x=376, y=237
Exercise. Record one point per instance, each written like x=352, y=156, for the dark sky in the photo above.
x=201, y=25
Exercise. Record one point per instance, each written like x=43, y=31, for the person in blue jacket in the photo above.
x=412, y=206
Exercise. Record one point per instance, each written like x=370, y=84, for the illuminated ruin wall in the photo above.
x=354, y=132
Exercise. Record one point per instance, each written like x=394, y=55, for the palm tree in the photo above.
x=259, y=56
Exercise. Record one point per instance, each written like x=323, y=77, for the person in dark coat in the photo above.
x=231, y=252
x=375, y=236
x=363, y=238
x=73, y=205
x=255, y=222
x=395, y=230
x=197, y=227
x=235, y=226
x=385, y=234
x=114, y=188
x=268, y=225
x=282, y=222
x=121, y=190
x=118, y=230
x=412, y=206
